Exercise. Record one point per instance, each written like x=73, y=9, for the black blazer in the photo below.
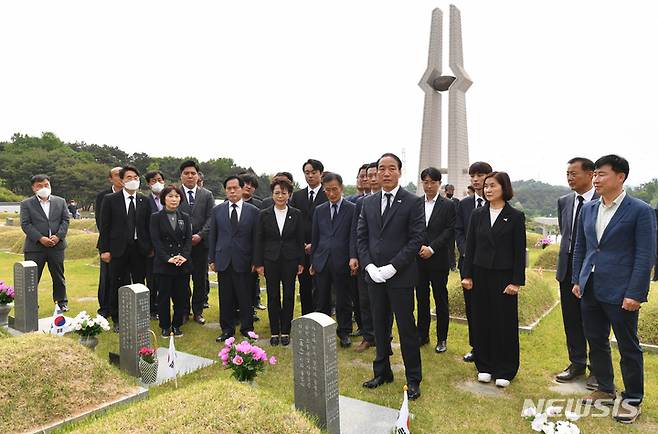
x=168, y=242
x=300, y=201
x=440, y=234
x=200, y=213
x=270, y=244
x=98, y=205
x=564, y=221
x=501, y=247
x=255, y=202
x=333, y=240
x=114, y=234
x=464, y=210
x=395, y=240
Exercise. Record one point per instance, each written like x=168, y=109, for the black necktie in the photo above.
x=234, y=216
x=574, y=228
x=132, y=218
x=190, y=198
x=479, y=202
x=334, y=210
x=388, y=204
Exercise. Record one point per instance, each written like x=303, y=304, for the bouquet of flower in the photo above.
x=84, y=325
x=147, y=354
x=544, y=242
x=541, y=421
x=6, y=293
x=244, y=359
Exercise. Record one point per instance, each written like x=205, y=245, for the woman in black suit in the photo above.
x=279, y=253
x=171, y=234
x=494, y=269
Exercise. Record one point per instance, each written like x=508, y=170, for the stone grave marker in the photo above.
x=315, y=368
x=133, y=325
x=26, y=301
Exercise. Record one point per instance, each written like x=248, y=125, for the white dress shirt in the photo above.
x=280, y=215
x=429, y=207
x=482, y=200
x=338, y=204
x=587, y=196
x=394, y=192
x=238, y=208
x=126, y=200
x=493, y=214
x=605, y=214
x=315, y=191
x=187, y=195
x=45, y=206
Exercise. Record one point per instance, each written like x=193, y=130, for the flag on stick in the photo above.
x=402, y=424
x=171, y=358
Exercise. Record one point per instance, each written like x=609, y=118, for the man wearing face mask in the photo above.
x=125, y=241
x=45, y=221
x=155, y=180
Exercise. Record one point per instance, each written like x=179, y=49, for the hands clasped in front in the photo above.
x=177, y=260
x=380, y=274
x=511, y=289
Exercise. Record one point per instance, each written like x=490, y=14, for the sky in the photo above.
x=272, y=83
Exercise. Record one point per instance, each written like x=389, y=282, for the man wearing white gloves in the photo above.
x=389, y=235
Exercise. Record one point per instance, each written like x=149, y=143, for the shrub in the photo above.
x=548, y=258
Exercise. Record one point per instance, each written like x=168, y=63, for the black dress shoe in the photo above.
x=256, y=318
x=165, y=333
x=357, y=333
x=469, y=357
x=199, y=319
x=285, y=340
x=223, y=337
x=571, y=373
x=63, y=307
x=378, y=381
x=178, y=333
x=206, y=305
x=592, y=383
x=413, y=391
x=115, y=329
x=424, y=341
x=345, y=341
x=441, y=347
x=274, y=340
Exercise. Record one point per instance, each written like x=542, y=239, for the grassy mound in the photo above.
x=647, y=328
x=83, y=225
x=535, y=298
x=81, y=244
x=531, y=239
x=47, y=378
x=219, y=405
x=547, y=259
x=10, y=235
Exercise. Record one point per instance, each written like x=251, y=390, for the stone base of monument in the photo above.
x=481, y=389
x=185, y=363
x=361, y=417
x=576, y=387
x=138, y=394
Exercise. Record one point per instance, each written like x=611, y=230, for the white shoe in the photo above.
x=483, y=377
x=501, y=382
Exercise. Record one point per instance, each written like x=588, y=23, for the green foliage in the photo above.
x=537, y=198
x=647, y=192
x=547, y=259
x=7, y=195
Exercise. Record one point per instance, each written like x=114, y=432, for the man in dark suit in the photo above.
x=579, y=176
x=477, y=171
x=231, y=251
x=434, y=259
x=306, y=200
x=198, y=202
x=45, y=221
x=362, y=185
x=104, y=273
x=156, y=182
x=613, y=255
x=389, y=235
x=124, y=240
x=250, y=186
x=332, y=249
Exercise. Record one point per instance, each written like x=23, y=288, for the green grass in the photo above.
x=548, y=258
x=444, y=407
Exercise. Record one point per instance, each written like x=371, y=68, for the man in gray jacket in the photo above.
x=45, y=221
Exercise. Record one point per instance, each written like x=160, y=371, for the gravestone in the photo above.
x=134, y=321
x=26, y=299
x=315, y=368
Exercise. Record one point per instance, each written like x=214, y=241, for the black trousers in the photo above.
x=256, y=292
x=199, y=280
x=124, y=270
x=573, y=322
x=468, y=308
x=400, y=302
x=439, y=281
x=104, y=289
x=598, y=317
x=306, y=288
x=339, y=279
x=174, y=288
x=235, y=291
x=55, y=260
x=367, y=327
x=280, y=308
x=152, y=284
x=354, y=300
x=497, y=326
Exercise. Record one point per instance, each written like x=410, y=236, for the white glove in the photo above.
x=387, y=271
x=375, y=273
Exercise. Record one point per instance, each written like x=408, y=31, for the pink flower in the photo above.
x=243, y=347
x=224, y=350
x=272, y=360
x=258, y=353
x=228, y=342
x=225, y=362
x=237, y=360
x=252, y=335
x=224, y=357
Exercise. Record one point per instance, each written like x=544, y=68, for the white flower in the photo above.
x=538, y=422
x=91, y=323
x=553, y=411
x=548, y=428
x=78, y=326
x=572, y=416
x=529, y=412
x=564, y=427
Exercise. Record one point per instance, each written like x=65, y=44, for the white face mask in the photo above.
x=44, y=192
x=132, y=185
x=157, y=187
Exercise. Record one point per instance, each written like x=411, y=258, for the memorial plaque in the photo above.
x=26, y=300
x=315, y=368
x=133, y=325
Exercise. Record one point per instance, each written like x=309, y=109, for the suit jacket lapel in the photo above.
x=570, y=202
x=502, y=219
x=397, y=201
x=164, y=220
x=286, y=223
x=437, y=208
x=37, y=204
x=337, y=218
x=621, y=211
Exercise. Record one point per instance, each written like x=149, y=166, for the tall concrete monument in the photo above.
x=433, y=84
